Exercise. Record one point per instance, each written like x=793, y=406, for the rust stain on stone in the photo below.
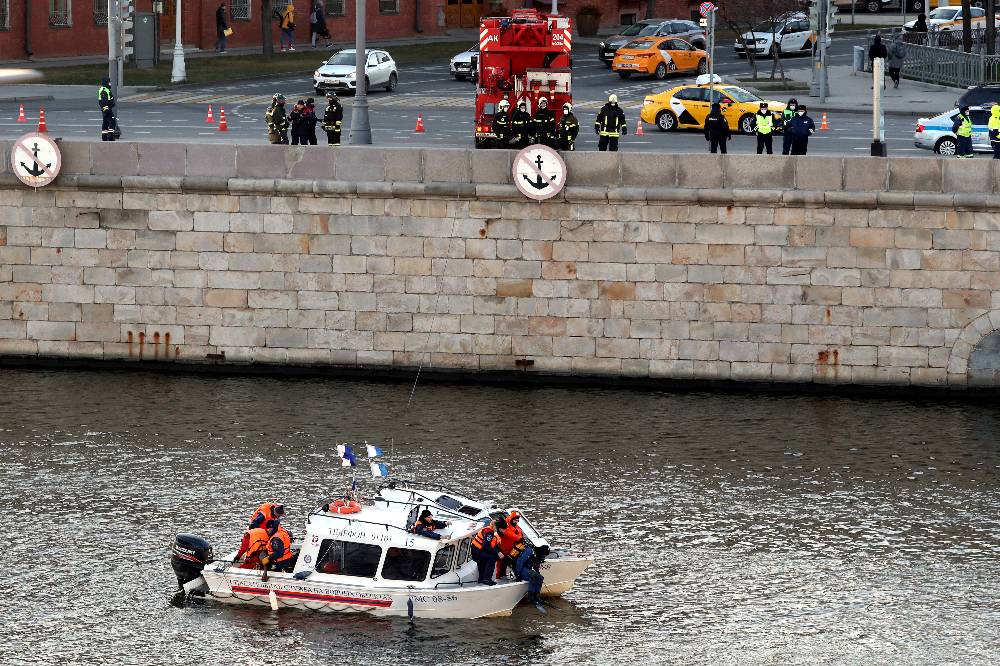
x=618, y=291
x=156, y=344
x=520, y=288
x=177, y=351
x=827, y=315
x=823, y=357
x=130, y=343
x=304, y=243
x=142, y=343
x=321, y=223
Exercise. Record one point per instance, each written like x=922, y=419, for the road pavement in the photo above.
x=446, y=106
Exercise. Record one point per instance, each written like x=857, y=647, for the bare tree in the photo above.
x=744, y=16
x=967, y=25
x=266, y=41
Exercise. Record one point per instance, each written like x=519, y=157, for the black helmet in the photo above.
x=330, y=94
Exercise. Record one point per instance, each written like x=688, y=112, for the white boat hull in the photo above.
x=244, y=586
x=561, y=571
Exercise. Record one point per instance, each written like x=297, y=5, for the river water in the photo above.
x=728, y=529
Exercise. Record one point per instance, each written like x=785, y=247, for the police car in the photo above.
x=935, y=133
x=789, y=34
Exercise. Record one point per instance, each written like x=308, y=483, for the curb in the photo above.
x=35, y=98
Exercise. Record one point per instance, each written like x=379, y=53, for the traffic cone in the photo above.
x=823, y=126
x=41, y=121
x=420, y=124
x=638, y=128
x=20, y=115
x=209, y=118
x=223, y=126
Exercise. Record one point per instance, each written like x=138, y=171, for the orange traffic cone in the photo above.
x=823, y=126
x=41, y=120
x=20, y=115
x=209, y=118
x=223, y=126
x=420, y=124
x=638, y=128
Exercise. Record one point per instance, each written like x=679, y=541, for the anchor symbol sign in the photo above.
x=539, y=172
x=35, y=170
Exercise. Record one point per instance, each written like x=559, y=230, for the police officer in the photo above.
x=962, y=128
x=277, y=123
x=610, y=125
x=544, y=124
x=764, y=123
x=800, y=128
x=106, y=100
x=333, y=118
x=717, y=131
x=786, y=115
x=521, y=125
x=502, y=123
x=994, y=127
x=569, y=127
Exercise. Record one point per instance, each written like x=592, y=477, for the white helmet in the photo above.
x=613, y=99
x=567, y=107
x=542, y=102
x=503, y=105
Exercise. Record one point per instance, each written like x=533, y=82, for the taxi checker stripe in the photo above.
x=381, y=603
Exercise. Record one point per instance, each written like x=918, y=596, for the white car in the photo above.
x=935, y=133
x=338, y=73
x=461, y=64
x=945, y=19
x=792, y=32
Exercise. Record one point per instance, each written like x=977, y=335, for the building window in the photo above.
x=334, y=7
x=100, y=12
x=388, y=6
x=239, y=10
x=60, y=13
x=4, y=14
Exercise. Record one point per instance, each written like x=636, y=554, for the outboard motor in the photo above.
x=189, y=556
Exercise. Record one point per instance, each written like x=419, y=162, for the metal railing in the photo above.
x=60, y=19
x=937, y=58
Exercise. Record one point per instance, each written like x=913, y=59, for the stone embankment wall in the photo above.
x=818, y=269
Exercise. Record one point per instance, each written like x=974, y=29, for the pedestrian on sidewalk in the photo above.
x=299, y=123
x=220, y=28
x=962, y=128
x=717, y=131
x=610, y=125
x=277, y=123
x=787, y=115
x=897, y=56
x=919, y=29
x=317, y=24
x=311, y=120
x=333, y=117
x=994, y=128
x=800, y=128
x=287, y=27
x=877, y=50
x=764, y=126
x=106, y=100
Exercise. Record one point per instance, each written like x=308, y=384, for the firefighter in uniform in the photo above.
x=502, y=123
x=520, y=125
x=106, y=100
x=963, y=132
x=544, y=124
x=610, y=125
x=764, y=122
x=277, y=123
x=333, y=118
x=569, y=127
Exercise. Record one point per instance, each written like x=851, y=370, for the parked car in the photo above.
x=935, y=133
x=979, y=96
x=461, y=64
x=689, y=31
x=338, y=73
x=871, y=6
x=945, y=19
x=687, y=106
x=659, y=56
x=686, y=30
x=789, y=34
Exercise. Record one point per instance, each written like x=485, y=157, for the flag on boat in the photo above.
x=373, y=451
x=347, y=458
x=379, y=469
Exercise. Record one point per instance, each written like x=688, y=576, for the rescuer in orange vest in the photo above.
x=254, y=545
x=510, y=535
x=267, y=515
x=485, y=552
x=279, y=550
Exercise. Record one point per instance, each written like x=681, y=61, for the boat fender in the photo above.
x=273, y=598
x=344, y=507
x=302, y=575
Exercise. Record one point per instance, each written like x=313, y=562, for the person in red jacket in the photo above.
x=510, y=535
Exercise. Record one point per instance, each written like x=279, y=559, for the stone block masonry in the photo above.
x=843, y=271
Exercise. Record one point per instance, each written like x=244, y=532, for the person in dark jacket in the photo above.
x=717, y=131
x=800, y=128
x=333, y=118
x=610, y=125
x=527, y=567
x=426, y=525
x=106, y=100
x=501, y=123
x=897, y=56
x=485, y=551
x=277, y=123
x=569, y=127
x=220, y=28
x=311, y=120
x=962, y=127
x=317, y=24
x=520, y=125
x=920, y=25
x=544, y=124
x=300, y=124
x=877, y=50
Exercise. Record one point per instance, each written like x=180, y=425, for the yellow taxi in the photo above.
x=659, y=56
x=687, y=106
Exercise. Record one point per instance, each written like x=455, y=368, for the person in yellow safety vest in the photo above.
x=963, y=131
x=106, y=100
x=764, y=122
x=994, y=128
x=610, y=125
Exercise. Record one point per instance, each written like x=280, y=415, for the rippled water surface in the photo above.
x=727, y=529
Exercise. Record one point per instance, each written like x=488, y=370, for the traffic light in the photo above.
x=814, y=15
x=831, y=16
x=127, y=13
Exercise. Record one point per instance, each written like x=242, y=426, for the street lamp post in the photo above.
x=179, y=72
x=361, y=128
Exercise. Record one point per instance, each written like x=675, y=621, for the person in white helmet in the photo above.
x=610, y=125
x=544, y=124
x=520, y=125
x=501, y=123
x=569, y=127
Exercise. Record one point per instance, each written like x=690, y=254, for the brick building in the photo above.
x=67, y=28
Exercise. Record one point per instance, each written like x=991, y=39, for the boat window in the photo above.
x=442, y=561
x=346, y=558
x=449, y=502
x=470, y=510
x=463, y=552
x=405, y=564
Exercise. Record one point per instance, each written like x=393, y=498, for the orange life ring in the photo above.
x=343, y=506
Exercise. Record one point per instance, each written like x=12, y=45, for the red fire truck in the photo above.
x=525, y=56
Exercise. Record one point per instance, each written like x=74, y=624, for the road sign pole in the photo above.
x=824, y=20
x=711, y=55
x=361, y=128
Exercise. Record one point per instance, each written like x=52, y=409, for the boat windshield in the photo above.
x=442, y=561
x=406, y=564
x=347, y=558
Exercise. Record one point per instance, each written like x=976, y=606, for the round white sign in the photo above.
x=539, y=172
x=35, y=159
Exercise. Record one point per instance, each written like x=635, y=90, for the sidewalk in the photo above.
x=851, y=91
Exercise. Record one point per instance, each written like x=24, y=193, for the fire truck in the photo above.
x=524, y=56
